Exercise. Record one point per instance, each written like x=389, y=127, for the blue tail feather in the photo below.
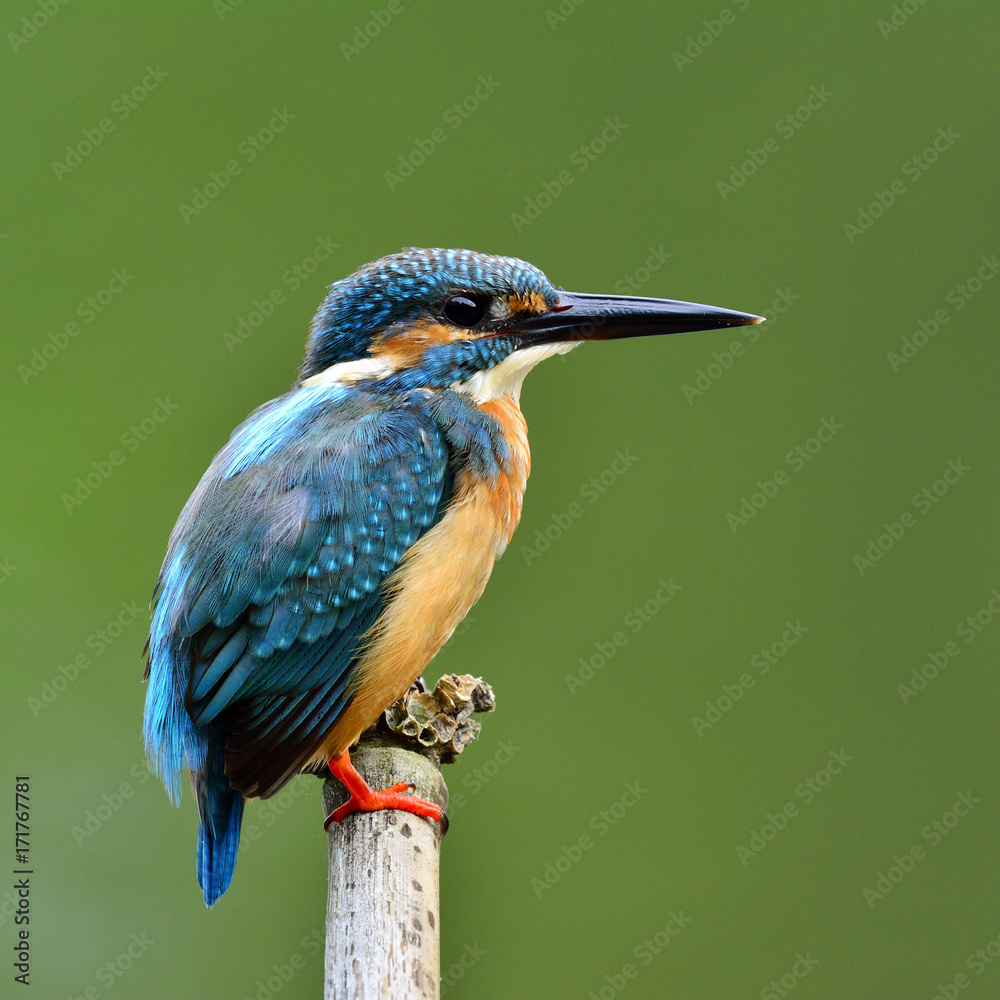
x=221, y=810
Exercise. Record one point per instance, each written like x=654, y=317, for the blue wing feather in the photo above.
x=273, y=574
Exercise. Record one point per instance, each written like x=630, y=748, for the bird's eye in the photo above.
x=463, y=311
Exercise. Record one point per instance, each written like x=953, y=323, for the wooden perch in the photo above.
x=383, y=928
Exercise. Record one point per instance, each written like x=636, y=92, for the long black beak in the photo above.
x=613, y=317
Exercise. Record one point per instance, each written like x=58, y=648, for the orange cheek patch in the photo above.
x=406, y=348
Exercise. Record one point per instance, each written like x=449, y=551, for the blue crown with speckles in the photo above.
x=404, y=287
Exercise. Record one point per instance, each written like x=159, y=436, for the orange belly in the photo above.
x=438, y=580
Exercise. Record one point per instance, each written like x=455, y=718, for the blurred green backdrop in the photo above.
x=750, y=677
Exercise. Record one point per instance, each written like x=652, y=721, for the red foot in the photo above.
x=366, y=799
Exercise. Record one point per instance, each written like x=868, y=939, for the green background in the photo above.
x=692, y=461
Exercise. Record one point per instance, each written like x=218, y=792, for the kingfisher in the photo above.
x=348, y=526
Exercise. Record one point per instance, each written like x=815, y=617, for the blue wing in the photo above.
x=273, y=575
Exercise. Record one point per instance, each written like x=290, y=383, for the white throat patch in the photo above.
x=505, y=379
x=351, y=371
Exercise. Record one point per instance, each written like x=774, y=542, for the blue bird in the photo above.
x=349, y=525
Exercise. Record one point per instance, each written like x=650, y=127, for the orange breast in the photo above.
x=437, y=582
x=508, y=492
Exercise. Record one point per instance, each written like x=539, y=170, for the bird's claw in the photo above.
x=399, y=796
x=366, y=799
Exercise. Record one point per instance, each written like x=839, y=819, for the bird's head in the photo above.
x=472, y=321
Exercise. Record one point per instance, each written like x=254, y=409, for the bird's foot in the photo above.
x=364, y=798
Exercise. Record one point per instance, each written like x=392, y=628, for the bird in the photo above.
x=348, y=526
